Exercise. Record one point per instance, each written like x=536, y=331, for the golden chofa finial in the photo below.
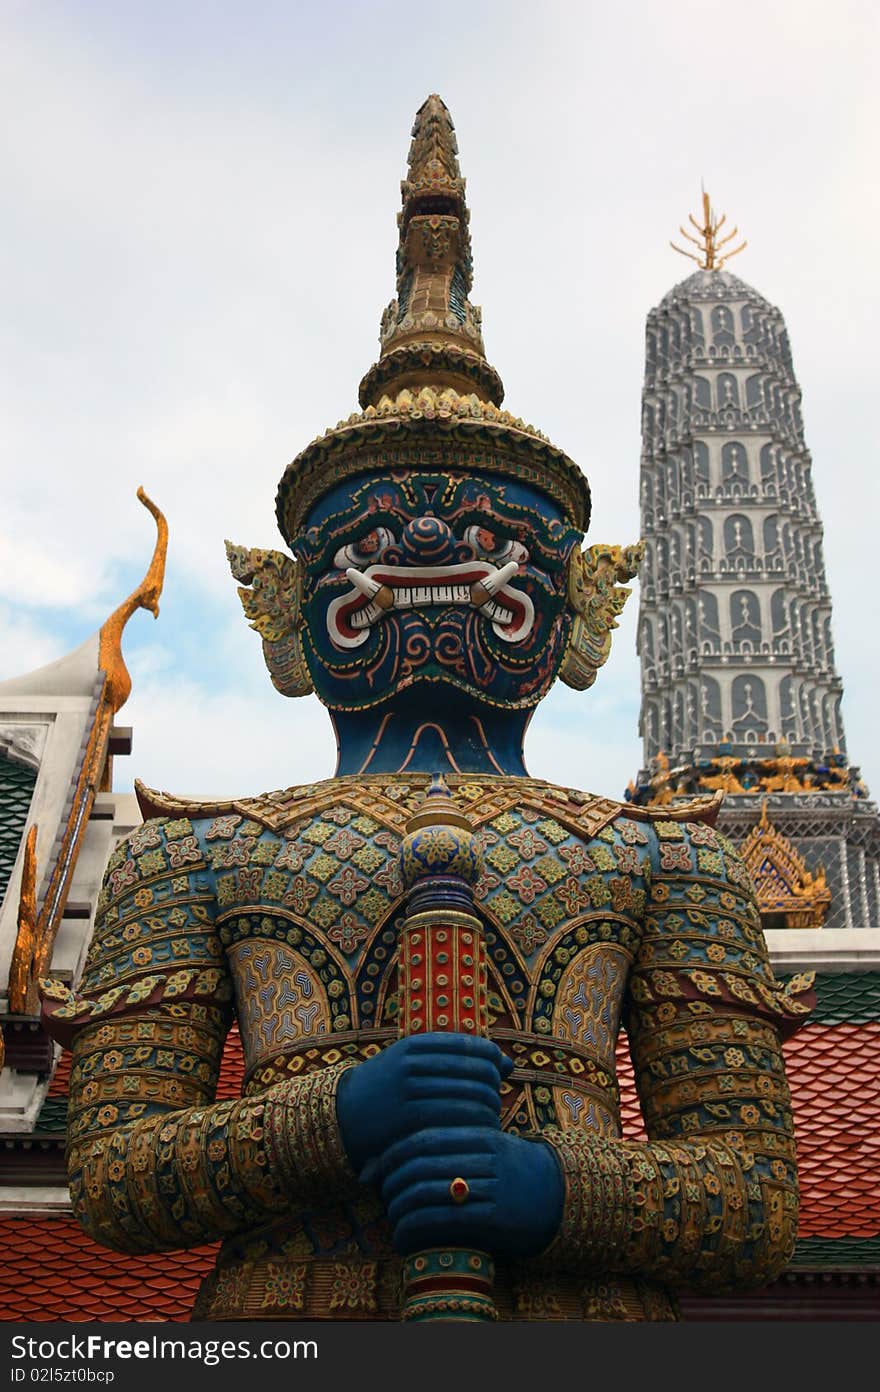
x=709, y=242
x=146, y=596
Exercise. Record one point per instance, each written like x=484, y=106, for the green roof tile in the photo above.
x=823, y=1253
x=53, y=1115
x=852, y=998
x=16, y=789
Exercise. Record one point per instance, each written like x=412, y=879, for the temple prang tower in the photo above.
x=740, y=691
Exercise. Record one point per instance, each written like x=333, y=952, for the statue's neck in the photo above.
x=447, y=741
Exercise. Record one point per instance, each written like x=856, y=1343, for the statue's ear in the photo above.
x=595, y=597
x=272, y=604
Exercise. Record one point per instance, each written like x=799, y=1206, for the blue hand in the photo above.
x=514, y=1206
x=421, y=1081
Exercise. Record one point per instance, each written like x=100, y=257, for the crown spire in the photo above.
x=433, y=184
x=432, y=384
x=431, y=334
x=709, y=242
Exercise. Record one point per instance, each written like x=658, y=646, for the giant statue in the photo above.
x=430, y=955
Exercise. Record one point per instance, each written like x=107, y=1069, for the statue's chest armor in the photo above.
x=310, y=917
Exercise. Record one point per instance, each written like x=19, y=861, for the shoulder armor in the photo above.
x=701, y=809
x=154, y=803
x=271, y=810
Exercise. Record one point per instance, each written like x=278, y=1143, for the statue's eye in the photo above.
x=366, y=551
x=496, y=548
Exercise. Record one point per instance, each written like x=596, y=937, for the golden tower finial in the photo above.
x=708, y=241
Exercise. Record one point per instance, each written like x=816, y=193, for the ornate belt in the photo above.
x=352, y=1288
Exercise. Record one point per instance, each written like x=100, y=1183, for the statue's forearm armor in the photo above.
x=711, y=1200
x=153, y=1161
x=208, y=1171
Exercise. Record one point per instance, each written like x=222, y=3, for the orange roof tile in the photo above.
x=631, y=1123
x=60, y=1084
x=834, y=1076
x=229, y=1083
x=50, y=1270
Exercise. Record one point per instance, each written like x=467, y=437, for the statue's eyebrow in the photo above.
x=350, y=525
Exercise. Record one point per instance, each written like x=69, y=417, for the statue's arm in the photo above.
x=154, y=1163
x=710, y=1201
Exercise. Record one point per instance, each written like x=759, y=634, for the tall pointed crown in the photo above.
x=431, y=333
x=432, y=397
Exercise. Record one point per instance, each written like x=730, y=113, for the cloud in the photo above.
x=192, y=741
x=25, y=644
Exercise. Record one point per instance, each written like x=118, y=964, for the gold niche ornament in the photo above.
x=788, y=894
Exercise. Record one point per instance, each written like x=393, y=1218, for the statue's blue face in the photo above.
x=417, y=578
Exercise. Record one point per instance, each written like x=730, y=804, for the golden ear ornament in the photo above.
x=596, y=596
x=272, y=605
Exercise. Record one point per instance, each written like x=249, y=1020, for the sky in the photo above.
x=198, y=205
